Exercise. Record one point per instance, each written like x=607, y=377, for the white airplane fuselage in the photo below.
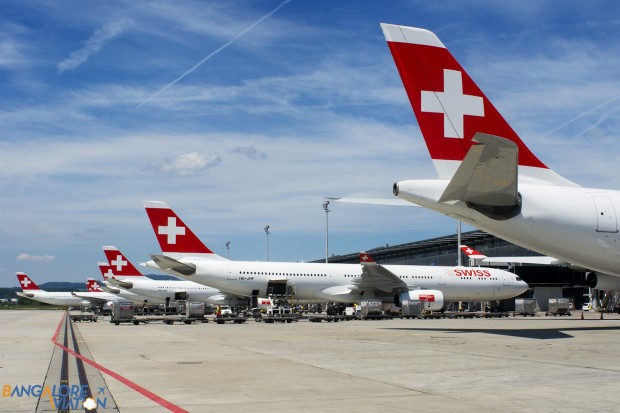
x=337, y=282
x=160, y=290
x=574, y=224
x=60, y=298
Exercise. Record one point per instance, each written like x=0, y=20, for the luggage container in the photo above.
x=525, y=307
x=411, y=309
x=558, y=306
x=370, y=310
x=122, y=312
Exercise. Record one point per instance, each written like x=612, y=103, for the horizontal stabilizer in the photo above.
x=170, y=264
x=487, y=177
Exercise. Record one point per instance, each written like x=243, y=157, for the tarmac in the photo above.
x=514, y=364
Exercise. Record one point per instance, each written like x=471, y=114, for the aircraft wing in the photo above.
x=376, y=276
x=375, y=201
x=538, y=260
x=487, y=176
x=170, y=264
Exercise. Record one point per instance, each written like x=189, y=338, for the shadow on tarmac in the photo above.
x=535, y=333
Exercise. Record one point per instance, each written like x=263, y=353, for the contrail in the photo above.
x=231, y=41
x=581, y=115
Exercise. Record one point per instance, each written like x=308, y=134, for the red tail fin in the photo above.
x=472, y=253
x=26, y=283
x=365, y=257
x=175, y=238
x=93, y=286
x=106, y=270
x=119, y=264
x=449, y=106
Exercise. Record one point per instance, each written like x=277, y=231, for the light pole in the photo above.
x=327, y=210
x=228, y=249
x=267, y=247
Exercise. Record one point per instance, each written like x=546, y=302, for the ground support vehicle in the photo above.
x=82, y=316
x=278, y=314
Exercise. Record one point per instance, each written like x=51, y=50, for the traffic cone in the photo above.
x=582, y=315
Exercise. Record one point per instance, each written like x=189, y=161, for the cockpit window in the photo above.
x=519, y=279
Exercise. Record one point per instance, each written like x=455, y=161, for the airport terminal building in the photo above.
x=545, y=281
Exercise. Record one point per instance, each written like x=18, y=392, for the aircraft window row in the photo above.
x=280, y=274
x=479, y=278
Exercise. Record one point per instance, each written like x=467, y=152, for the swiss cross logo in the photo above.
x=119, y=263
x=453, y=103
x=94, y=285
x=171, y=230
x=469, y=251
x=109, y=273
x=25, y=282
x=364, y=257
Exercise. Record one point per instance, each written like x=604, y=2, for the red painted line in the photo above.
x=146, y=393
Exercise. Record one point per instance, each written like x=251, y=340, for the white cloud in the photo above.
x=250, y=152
x=94, y=44
x=28, y=257
x=189, y=163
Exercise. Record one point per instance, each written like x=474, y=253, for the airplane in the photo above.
x=60, y=298
x=185, y=256
x=96, y=295
x=106, y=272
x=126, y=276
x=488, y=177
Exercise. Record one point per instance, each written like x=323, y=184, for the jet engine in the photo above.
x=603, y=282
x=432, y=300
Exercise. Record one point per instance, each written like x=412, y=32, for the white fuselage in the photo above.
x=573, y=224
x=60, y=298
x=341, y=282
x=169, y=290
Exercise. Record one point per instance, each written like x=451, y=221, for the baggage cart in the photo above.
x=525, y=307
x=558, y=306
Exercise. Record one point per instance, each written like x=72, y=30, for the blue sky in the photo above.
x=241, y=114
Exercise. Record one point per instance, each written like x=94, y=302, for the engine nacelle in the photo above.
x=432, y=300
x=603, y=282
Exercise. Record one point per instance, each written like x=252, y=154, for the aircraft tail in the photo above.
x=26, y=283
x=106, y=270
x=120, y=266
x=93, y=286
x=175, y=238
x=450, y=108
x=471, y=253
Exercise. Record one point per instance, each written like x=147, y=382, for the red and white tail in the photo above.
x=175, y=238
x=449, y=106
x=106, y=270
x=472, y=254
x=120, y=266
x=93, y=286
x=26, y=283
x=365, y=257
